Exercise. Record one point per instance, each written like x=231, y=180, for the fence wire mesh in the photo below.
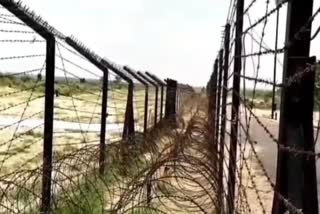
x=103, y=138
x=96, y=110
x=268, y=81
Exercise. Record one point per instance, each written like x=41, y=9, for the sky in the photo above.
x=171, y=38
x=177, y=39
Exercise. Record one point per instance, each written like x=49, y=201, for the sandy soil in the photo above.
x=20, y=144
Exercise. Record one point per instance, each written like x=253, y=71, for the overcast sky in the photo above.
x=171, y=38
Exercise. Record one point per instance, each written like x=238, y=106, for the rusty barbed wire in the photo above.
x=263, y=18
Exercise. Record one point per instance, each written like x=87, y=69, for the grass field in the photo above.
x=22, y=118
x=77, y=116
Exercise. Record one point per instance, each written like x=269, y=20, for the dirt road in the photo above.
x=267, y=148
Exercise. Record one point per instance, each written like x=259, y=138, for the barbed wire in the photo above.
x=249, y=101
x=263, y=18
x=31, y=41
x=246, y=10
x=16, y=31
x=22, y=57
x=77, y=105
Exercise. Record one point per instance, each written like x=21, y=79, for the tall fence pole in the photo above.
x=162, y=84
x=156, y=101
x=128, y=126
x=146, y=96
x=156, y=106
x=128, y=129
x=171, y=98
x=178, y=98
x=213, y=101
x=95, y=61
x=220, y=72
x=102, y=158
x=146, y=105
x=212, y=114
x=143, y=76
x=14, y=8
x=274, y=107
x=161, y=100
x=296, y=174
x=157, y=95
x=223, y=116
x=48, y=126
x=235, y=106
x=164, y=102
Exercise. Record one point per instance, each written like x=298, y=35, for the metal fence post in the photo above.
x=171, y=94
x=235, y=106
x=213, y=101
x=14, y=8
x=95, y=61
x=212, y=113
x=128, y=129
x=156, y=106
x=161, y=100
x=223, y=116
x=296, y=174
x=162, y=84
x=156, y=101
x=156, y=95
x=48, y=126
x=178, y=100
x=135, y=75
x=103, y=123
x=146, y=104
x=219, y=96
x=273, y=107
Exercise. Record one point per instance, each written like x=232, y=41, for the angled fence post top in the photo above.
x=171, y=82
x=29, y=18
x=156, y=79
x=86, y=52
x=148, y=79
x=116, y=69
x=135, y=75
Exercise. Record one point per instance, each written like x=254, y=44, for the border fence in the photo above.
x=70, y=120
x=66, y=114
x=251, y=178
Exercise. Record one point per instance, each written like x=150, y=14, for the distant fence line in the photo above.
x=83, y=100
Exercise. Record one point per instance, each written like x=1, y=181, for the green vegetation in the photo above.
x=317, y=89
x=62, y=87
x=23, y=83
x=89, y=195
x=72, y=87
x=262, y=98
x=34, y=134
